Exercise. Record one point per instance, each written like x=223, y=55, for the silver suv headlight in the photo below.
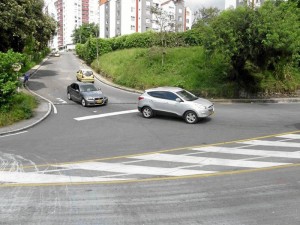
x=201, y=107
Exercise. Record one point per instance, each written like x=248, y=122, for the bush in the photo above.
x=8, y=77
x=19, y=107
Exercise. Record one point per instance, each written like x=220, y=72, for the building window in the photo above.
x=132, y=27
x=180, y=10
x=132, y=18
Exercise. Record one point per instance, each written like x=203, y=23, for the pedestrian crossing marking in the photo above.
x=243, y=151
x=37, y=178
x=207, y=161
x=290, y=136
x=272, y=143
x=151, y=165
x=61, y=101
x=133, y=169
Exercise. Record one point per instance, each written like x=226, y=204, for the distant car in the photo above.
x=174, y=101
x=86, y=93
x=56, y=54
x=85, y=75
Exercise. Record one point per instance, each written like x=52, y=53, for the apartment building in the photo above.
x=120, y=17
x=71, y=14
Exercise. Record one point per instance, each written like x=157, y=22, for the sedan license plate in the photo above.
x=99, y=101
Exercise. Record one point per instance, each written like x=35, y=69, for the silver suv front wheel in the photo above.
x=190, y=117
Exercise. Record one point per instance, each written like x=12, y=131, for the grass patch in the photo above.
x=186, y=67
x=191, y=68
x=20, y=107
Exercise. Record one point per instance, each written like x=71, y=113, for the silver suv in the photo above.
x=175, y=101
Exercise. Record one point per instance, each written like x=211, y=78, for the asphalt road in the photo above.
x=124, y=169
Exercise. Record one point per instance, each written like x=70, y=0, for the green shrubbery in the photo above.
x=19, y=107
x=149, y=39
x=15, y=106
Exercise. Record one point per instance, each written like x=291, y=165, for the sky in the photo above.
x=197, y=4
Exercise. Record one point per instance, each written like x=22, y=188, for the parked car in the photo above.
x=174, y=101
x=85, y=75
x=86, y=93
x=56, y=54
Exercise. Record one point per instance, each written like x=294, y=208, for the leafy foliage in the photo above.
x=84, y=32
x=255, y=41
x=204, y=16
x=8, y=77
x=23, y=22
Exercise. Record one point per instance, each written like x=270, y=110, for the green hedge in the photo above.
x=88, y=51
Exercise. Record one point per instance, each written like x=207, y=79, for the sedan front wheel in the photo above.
x=83, y=102
x=69, y=96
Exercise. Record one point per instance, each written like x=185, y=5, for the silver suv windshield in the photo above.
x=187, y=96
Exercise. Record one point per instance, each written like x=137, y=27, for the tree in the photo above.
x=204, y=16
x=254, y=41
x=165, y=22
x=84, y=32
x=22, y=22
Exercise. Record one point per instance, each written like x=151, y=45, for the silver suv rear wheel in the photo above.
x=147, y=112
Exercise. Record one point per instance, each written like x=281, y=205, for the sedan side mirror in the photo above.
x=178, y=100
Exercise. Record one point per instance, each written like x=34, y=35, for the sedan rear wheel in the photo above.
x=69, y=96
x=83, y=102
x=190, y=117
x=147, y=112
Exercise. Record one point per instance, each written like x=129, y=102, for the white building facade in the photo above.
x=121, y=17
x=71, y=14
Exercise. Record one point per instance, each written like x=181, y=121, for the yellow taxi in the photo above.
x=85, y=75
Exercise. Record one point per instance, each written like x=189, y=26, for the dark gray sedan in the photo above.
x=86, y=93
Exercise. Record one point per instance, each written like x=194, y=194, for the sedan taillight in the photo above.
x=141, y=98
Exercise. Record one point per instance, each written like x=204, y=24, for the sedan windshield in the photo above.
x=88, y=88
x=187, y=96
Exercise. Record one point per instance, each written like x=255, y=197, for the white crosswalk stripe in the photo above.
x=290, y=136
x=37, y=178
x=272, y=143
x=254, y=152
x=207, y=161
x=133, y=169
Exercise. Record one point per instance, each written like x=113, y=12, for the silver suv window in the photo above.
x=187, y=96
x=163, y=94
